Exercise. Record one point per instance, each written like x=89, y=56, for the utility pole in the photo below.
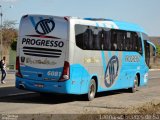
x=1, y=36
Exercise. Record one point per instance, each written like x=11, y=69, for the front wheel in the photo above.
x=92, y=90
x=135, y=86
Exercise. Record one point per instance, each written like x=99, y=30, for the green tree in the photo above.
x=158, y=50
x=9, y=33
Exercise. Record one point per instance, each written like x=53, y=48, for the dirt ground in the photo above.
x=147, y=111
x=147, y=108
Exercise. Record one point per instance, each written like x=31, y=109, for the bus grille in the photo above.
x=42, y=52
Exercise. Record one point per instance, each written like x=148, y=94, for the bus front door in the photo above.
x=147, y=52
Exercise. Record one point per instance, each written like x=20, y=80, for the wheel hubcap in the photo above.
x=135, y=84
x=92, y=90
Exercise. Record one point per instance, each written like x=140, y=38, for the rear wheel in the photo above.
x=135, y=85
x=92, y=90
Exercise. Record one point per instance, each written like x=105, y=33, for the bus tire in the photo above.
x=134, y=88
x=91, y=90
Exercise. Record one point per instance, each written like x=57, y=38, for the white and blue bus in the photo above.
x=80, y=56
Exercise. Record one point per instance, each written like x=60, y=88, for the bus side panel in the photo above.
x=130, y=63
x=79, y=76
x=93, y=63
x=88, y=64
x=131, y=66
x=114, y=76
x=76, y=73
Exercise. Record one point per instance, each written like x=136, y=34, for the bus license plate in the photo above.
x=39, y=85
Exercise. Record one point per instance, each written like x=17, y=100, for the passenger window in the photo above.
x=98, y=38
x=114, y=40
x=92, y=38
x=84, y=37
x=106, y=39
x=88, y=38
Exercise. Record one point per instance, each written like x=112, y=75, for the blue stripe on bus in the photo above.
x=41, y=18
x=109, y=54
x=128, y=26
x=104, y=62
x=104, y=25
x=97, y=24
x=32, y=21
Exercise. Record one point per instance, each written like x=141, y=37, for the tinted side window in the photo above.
x=98, y=38
x=140, y=44
x=84, y=37
x=145, y=38
x=137, y=42
x=79, y=31
x=114, y=35
x=128, y=41
x=106, y=39
x=92, y=38
x=120, y=40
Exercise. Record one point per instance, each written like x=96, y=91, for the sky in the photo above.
x=142, y=12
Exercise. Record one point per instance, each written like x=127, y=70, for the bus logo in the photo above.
x=111, y=71
x=45, y=26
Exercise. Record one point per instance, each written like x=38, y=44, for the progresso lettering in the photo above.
x=39, y=42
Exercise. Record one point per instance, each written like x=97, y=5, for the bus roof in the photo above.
x=129, y=26
x=120, y=24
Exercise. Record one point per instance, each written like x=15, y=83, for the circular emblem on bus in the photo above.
x=45, y=26
x=111, y=71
